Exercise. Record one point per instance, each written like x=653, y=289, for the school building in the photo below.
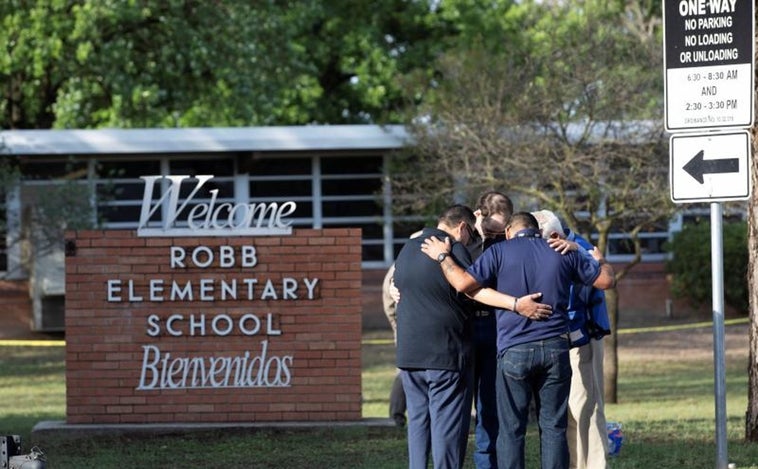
x=337, y=176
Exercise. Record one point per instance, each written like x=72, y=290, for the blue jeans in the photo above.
x=540, y=369
x=439, y=413
x=485, y=373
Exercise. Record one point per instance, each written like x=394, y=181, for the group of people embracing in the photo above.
x=503, y=311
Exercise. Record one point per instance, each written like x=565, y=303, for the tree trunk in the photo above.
x=610, y=360
x=751, y=420
x=751, y=417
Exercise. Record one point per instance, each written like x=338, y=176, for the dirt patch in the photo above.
x=683, y=342
x=678, y=330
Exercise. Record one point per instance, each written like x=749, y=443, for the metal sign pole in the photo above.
x=717, y=272
x=710, y=85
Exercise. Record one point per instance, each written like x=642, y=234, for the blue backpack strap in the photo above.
x=598, y=323
x=578, y=315
x=593, y=322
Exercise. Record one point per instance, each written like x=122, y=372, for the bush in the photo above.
x=690, y=264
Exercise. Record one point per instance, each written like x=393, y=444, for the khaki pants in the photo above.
x=586, y=433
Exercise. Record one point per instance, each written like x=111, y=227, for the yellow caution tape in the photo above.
x=32, y=343
x=678, y=327
x=637, y=330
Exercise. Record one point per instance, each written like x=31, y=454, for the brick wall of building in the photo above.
x=280, y=347
x=645, y=296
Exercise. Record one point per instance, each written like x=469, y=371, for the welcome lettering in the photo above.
x=207, y=218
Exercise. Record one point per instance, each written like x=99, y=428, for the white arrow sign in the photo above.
x=710, y=167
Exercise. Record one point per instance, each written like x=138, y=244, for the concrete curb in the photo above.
x=60, y=428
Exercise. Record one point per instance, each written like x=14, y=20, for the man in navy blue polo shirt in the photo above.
x=532, y=351
x=434, y=343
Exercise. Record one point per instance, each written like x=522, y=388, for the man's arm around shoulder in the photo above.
x=454, y=273
x=607, y=277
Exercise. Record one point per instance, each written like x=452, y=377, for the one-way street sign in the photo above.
x=710, y=167
x=708, y=64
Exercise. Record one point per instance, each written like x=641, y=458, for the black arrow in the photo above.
x=697, y=166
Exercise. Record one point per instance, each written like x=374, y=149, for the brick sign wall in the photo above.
x=213, y=329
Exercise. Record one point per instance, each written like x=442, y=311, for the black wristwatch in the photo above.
x=441, y=257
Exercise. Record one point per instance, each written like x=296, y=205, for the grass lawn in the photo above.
x=666, y=407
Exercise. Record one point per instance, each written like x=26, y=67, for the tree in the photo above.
x=358, y=52
x=751, y=416
x=51, y=210
x=94, y=63
x=157, y=63
x=567, y=120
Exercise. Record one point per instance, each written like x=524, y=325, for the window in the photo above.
x=329, y=190
x=340, y=189
x=351, y=191
x=119, y=189
x=280, y=178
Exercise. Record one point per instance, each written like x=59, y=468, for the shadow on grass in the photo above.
x=32, y=362
x=240, y=448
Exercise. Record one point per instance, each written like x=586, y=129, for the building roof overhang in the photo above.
x=207, y=139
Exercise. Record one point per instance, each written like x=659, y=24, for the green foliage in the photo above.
x=614, y=63
x=691, y=268
x=157, y=63
x=357, y=51
x=94, y=63
x=563, y=116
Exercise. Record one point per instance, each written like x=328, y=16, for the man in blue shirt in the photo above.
x=532, y=351
x=434, y=343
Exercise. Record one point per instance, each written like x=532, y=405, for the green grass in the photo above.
x=32, y=388
x=666, y=407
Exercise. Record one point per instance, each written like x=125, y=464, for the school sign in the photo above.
x=221, y=314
